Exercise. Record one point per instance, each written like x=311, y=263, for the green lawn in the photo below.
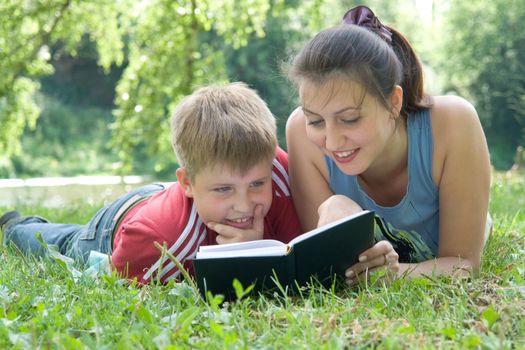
x=41, y=305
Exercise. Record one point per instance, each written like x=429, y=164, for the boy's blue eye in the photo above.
x=222, y=189
x=257, y=184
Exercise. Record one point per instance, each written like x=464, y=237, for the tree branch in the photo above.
x=44, y=37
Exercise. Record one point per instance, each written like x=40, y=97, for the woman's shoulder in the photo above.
x=296, y=119
x=448, y=109
x=297, y=139
x=296, y=131
x=456, y=125
x=453, y=117
x=455, y=130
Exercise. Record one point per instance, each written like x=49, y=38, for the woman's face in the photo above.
x=351, y=127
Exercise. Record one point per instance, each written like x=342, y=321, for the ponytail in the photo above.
x=414, y=97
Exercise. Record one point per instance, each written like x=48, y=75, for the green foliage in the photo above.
x=167, y=59
x=21, y=38
x=104, y=21
x=259, y=62
x=79, y=142
x=17, y=110
x=27, y=30
x=484, y=58
x=165, y=56
x=71, y=134
x=504, y=186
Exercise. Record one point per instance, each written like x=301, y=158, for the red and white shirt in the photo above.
x=170, y=218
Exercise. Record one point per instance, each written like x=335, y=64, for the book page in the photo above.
x=250, y=252
x=260, y=243
x=323, y=228
x=270, y=246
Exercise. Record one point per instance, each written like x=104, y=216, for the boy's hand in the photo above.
x=230, y=234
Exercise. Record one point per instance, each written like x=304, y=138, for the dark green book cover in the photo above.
x=323, y=253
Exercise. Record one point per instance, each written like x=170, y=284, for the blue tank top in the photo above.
x=412, y=225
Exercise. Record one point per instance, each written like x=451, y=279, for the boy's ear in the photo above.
x=184, y=181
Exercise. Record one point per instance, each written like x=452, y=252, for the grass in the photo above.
x=42, y=306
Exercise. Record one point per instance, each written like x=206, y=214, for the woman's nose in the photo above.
x=334, y=139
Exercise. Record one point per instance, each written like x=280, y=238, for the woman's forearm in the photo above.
x=454, y=266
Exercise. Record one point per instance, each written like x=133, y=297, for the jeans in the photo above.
x=75, y=240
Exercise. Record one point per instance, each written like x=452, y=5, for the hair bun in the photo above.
x=363, y=16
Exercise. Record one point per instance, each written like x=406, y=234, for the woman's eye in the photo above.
x=317, y=122
x=350, y=120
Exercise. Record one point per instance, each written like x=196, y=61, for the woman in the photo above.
x=367, y=136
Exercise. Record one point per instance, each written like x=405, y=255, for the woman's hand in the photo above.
x=336, y=207
x=381, y=256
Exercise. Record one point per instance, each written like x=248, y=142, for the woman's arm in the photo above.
x=461, y=170
x=307, y=170
x=463, y=177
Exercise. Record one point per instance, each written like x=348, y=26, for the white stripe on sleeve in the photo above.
x=187, y=230
x=200, y=229
x=278, y=175
x=177, y=272
x=282, y=171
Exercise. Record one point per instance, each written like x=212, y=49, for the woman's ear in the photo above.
x=184, y=181
x=396, y=100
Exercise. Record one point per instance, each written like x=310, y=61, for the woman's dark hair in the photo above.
x=364, y=56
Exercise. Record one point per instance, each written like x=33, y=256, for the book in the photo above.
x=322, y=254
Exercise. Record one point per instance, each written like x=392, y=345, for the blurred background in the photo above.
x=87, y=86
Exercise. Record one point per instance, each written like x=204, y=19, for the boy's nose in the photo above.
x=243, y=203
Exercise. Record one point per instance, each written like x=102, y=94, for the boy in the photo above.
x=232, y=186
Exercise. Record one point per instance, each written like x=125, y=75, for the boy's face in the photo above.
x=227, y=197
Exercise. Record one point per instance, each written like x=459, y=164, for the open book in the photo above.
x=323, y=253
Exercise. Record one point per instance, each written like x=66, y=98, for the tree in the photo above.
x=27, y=30
x=165, y=57
x=484, y=58
x=168, y=57
x=260, y=63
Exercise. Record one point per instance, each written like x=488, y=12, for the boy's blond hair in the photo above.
x=227, y=125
